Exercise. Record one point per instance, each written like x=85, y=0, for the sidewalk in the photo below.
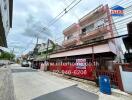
x=6, y=84
x=91, y=87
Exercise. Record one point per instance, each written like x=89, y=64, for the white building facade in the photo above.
x=6, y=9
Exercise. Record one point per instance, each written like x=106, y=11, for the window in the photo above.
x=89, y=27
x=100, y=23
x=5, y=7
x=84, y=31
x=7, y=23
x=69, y=37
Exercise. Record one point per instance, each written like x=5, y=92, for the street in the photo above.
x=30, y=84
x=66, y=50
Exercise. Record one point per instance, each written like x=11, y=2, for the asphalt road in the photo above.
x=30, y=84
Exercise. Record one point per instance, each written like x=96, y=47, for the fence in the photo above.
x=112, y=75
x=71, y=69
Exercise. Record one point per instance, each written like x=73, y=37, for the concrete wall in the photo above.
x=126, y=80
x=4, y=9
x=6, y=85
x=4, y=61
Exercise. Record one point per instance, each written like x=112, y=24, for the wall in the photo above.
x=5, y=15
x=6, y=85
x=126, y=80
x=4, y=61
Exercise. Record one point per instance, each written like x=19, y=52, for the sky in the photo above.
x=28, y=14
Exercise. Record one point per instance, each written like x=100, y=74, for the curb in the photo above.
x=115, y=92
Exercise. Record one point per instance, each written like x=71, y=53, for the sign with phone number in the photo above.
x=81, y=63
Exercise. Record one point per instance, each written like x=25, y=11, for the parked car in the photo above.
x=11, y=62
x=25, y=64
x=2, y=64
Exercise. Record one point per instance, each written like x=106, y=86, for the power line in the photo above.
x=127, y=3
x=55, y=20
x=118, y=2
x=74, y=6
x=113, y=24
x=91, y=43
x=40, y=31
x=66, y=11
x=126, y=8
x=63, y=11
x=119, y=21
x=108, y=25
x=65, y=1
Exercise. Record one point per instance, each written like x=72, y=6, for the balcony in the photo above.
x=93, y=15
x=87, y=35
x=70, y=42
x=71, y=29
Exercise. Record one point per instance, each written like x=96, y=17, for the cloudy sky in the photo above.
x=28, y=13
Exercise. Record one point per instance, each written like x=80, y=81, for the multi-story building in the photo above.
x=71, y=35
x=90, y=37
x=128, y=43
x=6, y=9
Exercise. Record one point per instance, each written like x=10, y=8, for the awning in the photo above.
x=87, y=50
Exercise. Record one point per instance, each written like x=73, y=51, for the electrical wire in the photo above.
x=119, y=21
x=66, y=11
x=63, y=11
x=118, y=17
x=65, y=2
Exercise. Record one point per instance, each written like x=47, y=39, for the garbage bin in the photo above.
x=104, y=83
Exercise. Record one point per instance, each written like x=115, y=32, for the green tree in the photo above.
x=7, y=56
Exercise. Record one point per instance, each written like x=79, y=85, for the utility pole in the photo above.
x=37, y=41
x=11, y=53
x=13, y=50
x=92, y=54
x=46, y=57
x=47, y=50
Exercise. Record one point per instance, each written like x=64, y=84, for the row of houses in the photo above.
x=42, y=50
x=89, y=46
x=85, y=38
x=89, y=38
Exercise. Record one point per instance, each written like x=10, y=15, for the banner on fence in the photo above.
x=81, y=63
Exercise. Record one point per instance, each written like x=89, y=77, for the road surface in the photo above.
x=31, y=84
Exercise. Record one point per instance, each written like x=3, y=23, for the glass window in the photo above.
x=69, y=37
x=84, y=31
x=5, y=7
x=100, y=23
x=89, y=27
x=7, y=23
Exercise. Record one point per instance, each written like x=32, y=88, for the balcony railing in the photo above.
x=81, y=46
x=84, y=36
x=70, y=42
x=95, y=14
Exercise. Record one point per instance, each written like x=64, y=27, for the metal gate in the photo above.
x=112, y=75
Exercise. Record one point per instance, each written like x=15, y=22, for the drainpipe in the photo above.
x=92, y=54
